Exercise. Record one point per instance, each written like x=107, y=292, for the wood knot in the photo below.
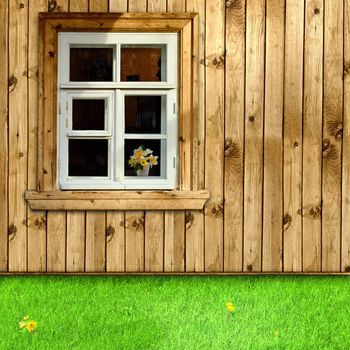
x=296, y=144
x=232, y=150
x=214, y=210
x=12, y=230
x=347, y=268
x=219, y=61
x=21, y=6
x=40, y=223
x=189, y=219
x=12, y=82
x=134, y=223
x=315, y=212
x=251, y=118
x=44, y=171
x=325, y=144
x=234, y=4
x=249, y=267
x=20, y=154
x=110, y=230
x=335, y=128
x=51, y=54
x=347, y=68
x=317, y=11
x=52, y=6
x=287, y=220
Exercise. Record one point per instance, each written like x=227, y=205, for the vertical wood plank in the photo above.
x=234, y=135
x=154, y=234
x=76, y=219
x=273, y=137
x=56, y=234
x=95, y=254
x=214, y=137
x=118, y=5
x=36, y=220
x=253, y=149
x=156, y=6
x=194, y=220
x=134, y=220
x=4, y=61
x=312, y=131
x=176, y=5
x=174, y=241
x=79, y=6
x=174, y=227
x=75, y=241
x=115, y=245
x=137, y=5
x=345, y=241
x=332, y=134
x=56, y=241
x=98, y=6
x=18, y=111
x=293, y=134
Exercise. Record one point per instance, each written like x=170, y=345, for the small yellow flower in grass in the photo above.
x=22, y=324
x=230, y=307
x=25, y=317
x=276, y=333
x=31, y=325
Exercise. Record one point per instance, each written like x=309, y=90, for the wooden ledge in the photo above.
x=116, y=200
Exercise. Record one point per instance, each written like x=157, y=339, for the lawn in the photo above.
x=271, y=312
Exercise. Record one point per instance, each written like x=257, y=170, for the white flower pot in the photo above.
x=143, y=172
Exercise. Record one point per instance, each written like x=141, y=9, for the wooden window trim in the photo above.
x=186, y=25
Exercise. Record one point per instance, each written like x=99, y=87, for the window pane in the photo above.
x=142, y=63
x=88, y=114
x=91, y=64
x=143, y=114
x=144, y=159
x=88, y=158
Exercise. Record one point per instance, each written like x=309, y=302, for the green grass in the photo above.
x=176, y=312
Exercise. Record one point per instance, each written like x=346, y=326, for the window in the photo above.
x=109, y=84
x=117, y=110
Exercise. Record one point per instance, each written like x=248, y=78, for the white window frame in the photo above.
x=114, y=94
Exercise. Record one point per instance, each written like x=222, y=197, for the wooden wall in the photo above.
x=274, y=148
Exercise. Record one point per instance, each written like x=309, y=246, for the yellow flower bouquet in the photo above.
x=142, y=160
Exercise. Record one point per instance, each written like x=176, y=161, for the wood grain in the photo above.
x=345, y=236
x=312, y=133
x=4, y=156
x=214, y=137
x=194, y=220
x=18, y=128
x=118, y=5
x=253, y=143
x=332, y=134
x=293, y=136
x=234, y=136
x=273, y=136
x=36, y=221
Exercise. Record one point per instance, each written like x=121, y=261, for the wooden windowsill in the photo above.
x=116, y=200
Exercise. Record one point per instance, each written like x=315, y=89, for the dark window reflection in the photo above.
x=153, y=145
x=141, y=64
x=91, y=64
x=88, y=114
x=88, y=158
x=143, y=114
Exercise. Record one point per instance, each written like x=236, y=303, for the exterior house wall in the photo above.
x=273, y=148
